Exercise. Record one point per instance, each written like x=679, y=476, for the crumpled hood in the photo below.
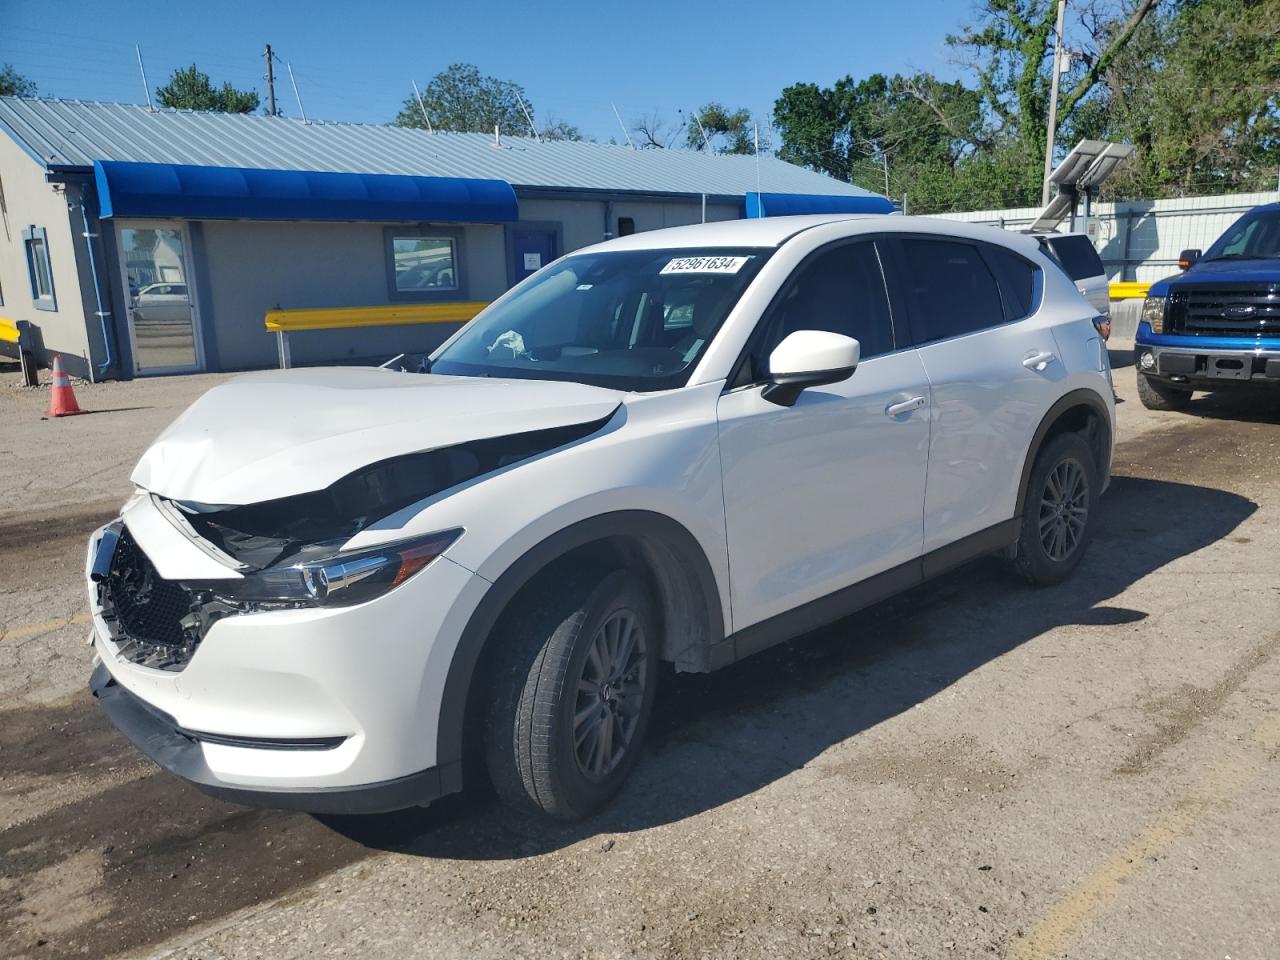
x=278, y=433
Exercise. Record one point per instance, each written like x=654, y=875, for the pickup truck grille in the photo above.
x=1240, y=310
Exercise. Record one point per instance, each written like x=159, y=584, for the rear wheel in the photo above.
x=1057, y=519
x=576, y=672
x=1156, y=395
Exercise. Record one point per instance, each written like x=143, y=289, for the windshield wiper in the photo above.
x=1242, y=256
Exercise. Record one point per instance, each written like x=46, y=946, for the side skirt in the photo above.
x=851, y=599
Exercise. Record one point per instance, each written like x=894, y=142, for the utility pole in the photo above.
x=1053, y=102
x=271, y=83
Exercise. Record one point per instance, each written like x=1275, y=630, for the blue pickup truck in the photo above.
x=1216, y=325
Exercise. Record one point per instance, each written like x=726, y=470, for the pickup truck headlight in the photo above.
x=1153, y=313
x=339, y=580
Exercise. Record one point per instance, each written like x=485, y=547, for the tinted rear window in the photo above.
x=1016, y=278
x=1077, y=256
x=949, y=288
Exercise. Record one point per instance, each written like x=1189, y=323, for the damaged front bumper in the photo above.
x=331, y=709
x=180, y=752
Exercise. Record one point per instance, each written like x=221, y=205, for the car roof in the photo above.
x=775, y=231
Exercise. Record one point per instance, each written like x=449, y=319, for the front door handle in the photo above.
x=906, y=406
x=1038, y=361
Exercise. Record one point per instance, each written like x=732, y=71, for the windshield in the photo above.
x=1255, y=235
x=632, y=320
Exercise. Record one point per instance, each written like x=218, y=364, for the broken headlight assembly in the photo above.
x=339, y=580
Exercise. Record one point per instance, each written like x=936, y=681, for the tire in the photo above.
x=1159, y=396
x=552, y=648
x=1058, y=512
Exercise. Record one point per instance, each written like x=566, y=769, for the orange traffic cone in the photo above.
x=63, y=402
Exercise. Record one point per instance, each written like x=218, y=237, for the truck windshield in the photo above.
x=1256, y=235
x=632, y=319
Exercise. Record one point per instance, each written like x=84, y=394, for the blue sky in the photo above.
x=355, y=61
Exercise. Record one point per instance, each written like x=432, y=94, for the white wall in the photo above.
x=248, y=268
x=1141, y=239
x=29, y=200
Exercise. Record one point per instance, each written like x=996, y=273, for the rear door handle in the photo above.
x=1038, y=361
x=906, y=406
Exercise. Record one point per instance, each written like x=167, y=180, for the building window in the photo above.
x=39, y=269
x=423, y=263
x=626, y=226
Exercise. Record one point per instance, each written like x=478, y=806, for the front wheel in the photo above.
x=1057, y=518
x=576, y=671
x=1159, y=396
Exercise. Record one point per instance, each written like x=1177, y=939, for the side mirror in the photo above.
x=809, y=358
x=1188, y=257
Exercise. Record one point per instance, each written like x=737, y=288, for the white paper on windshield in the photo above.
x=705, y=265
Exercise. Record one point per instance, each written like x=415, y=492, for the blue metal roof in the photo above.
x=72, y=133
x=127, y=189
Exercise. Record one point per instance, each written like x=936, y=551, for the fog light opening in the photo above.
x=1147, y=360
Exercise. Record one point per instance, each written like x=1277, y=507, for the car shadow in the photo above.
x=719, y=737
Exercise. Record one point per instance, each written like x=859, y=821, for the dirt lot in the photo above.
x=974, y=769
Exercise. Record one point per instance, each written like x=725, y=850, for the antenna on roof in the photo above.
x=422, y=106
x=528, y=116
x=626, y=133
x=143, y=70
x=301, y=109
x=705, y=139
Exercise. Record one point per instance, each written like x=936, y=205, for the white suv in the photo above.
x=333, y=586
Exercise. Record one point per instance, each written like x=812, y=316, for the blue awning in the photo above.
x=788, y=204
x=237, y=193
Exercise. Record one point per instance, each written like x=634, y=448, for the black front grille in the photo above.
x=1238, y=310
x=147, y=611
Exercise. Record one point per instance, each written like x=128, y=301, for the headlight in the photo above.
x=1153, y=313
x=339, y=580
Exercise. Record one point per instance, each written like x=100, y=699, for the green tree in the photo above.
x=190, y=89
x=727, y=131
x=854, y=130
x=462, y=99
x=14, y=84
x=1198, y=94
x=1010, y=53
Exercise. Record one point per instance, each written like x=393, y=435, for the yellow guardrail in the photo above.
x=284, y=322
x=345, y=318
x=8, y=330
x=1129, y=290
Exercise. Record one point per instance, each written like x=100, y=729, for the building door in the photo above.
x=532, y=248
x=163, y=326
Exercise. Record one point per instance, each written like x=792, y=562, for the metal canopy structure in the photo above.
x=1079, y=174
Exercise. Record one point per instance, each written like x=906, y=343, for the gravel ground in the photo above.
x=976, y=768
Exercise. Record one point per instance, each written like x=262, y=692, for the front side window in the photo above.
x=39, y=268
x=634, y=320
x=424, y=264
x=1256, y=235
x=840, y=290
x=949, y=289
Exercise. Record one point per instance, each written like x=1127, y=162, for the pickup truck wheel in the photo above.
x=575, y=674
x=1057, y=519
x=1159, y=396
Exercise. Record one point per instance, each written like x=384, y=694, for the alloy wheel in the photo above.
x=1064, y=509
x=610, y=693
